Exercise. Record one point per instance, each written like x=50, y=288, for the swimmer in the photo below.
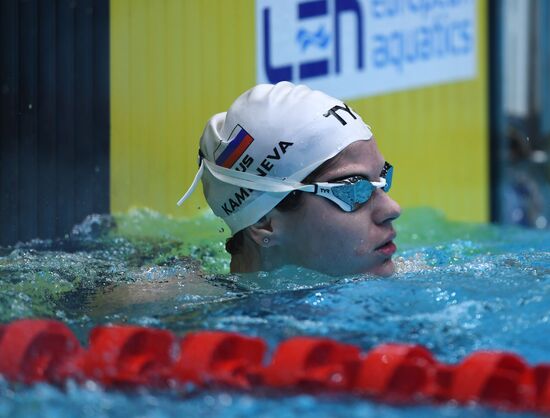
x=299, y=179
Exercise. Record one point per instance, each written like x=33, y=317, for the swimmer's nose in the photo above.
x=386, y=209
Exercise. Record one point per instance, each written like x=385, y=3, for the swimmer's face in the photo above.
x=320, y=236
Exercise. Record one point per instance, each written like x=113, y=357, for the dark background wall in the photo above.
x=54, y=115
x=520, y=112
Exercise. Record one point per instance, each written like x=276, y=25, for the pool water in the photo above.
x=459, y=288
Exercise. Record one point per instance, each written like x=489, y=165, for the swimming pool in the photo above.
x=460, y=288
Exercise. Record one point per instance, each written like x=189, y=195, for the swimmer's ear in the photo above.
x=263, y=233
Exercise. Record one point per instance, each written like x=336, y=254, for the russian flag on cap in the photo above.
x=236, y=148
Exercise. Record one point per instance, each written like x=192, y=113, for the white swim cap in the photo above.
x=269, y=140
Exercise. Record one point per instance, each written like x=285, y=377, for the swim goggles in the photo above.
x=348, y=193
x=353, y=192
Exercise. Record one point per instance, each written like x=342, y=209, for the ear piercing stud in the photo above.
x=266, y=240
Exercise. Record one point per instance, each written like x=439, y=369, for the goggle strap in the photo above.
x=250, y=181
x=255, y=182
x=379, y=184
x=193, y=185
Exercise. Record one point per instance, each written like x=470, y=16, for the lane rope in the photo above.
x=125, y=356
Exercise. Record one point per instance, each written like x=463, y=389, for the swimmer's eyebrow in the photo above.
x=363, y=175
x=345, y=177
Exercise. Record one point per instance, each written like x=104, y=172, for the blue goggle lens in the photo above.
x=357, y=191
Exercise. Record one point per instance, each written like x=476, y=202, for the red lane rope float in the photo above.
x=490, y=377
x=397, y=372
x=131, y=356
x=128, y=356
x=219, y=358
x=36, y=350
x=312, y=363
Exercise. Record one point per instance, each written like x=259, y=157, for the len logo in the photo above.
x=310, y=68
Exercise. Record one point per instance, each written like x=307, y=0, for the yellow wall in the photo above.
x=174, y=63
